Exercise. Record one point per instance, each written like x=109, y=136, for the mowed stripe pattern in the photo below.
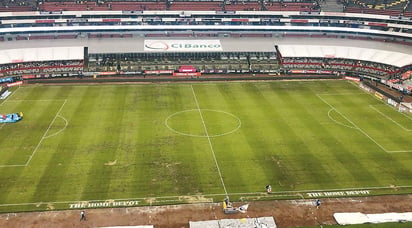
x=304, y=135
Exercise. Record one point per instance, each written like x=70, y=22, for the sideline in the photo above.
x=260, y=194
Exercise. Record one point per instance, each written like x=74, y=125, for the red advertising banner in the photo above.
x=28, y=76
x=111, y=20
x=45, y=21
x=15, y=84
x=297, y=71
x=107, y=73
x=158, y=71
x=186, y=74
x=352, y=78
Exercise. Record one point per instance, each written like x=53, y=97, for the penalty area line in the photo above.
x=40, y=141
x=45, y=133
x=351, y=122
x=389, y=118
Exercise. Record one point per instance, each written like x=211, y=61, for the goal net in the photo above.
x=405, y=107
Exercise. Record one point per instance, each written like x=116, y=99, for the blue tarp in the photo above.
x=11, y=118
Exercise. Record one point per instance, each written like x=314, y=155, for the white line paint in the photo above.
x=4, y=166
x=262, y=194
x=45, y=133
x=337, y=122
x=358, y=128
x=406, y=115
x=340, y=94
x=399, y=151
x=7, y=98
x=362, y=131
x=387, y=117
x=202, y=136
x=210, y=142
x=20, y=100
x=66, y=122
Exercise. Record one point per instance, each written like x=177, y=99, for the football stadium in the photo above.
x=208, y=113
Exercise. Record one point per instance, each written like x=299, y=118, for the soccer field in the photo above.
x=128, y=145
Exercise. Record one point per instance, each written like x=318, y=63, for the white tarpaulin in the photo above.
x=262, y=222
x=182, y=45
x=41, y=54
x=360, y=218
x=365, y=54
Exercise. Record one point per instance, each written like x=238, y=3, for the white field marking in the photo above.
x=207, y=200
x=363, y=132
x=21, y=165
x=4, y=166
x=389, y=118
x=373, y=95
x=406, y=115
x=208, y=138
x=399, y=151
x=337, y=122
x=45, y=133
x=58, y=132
x=356, y=127
x=339, y=94
x=1, y=126
x=280, y=193
x=20, y=100
x=203, y=136
x=7, y=98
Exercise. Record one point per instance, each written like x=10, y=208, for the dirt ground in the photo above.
x=287, y=213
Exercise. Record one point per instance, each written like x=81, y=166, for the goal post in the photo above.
x=405, y=107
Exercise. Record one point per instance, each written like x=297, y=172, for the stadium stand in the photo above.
x=54, y=6
x=236, y=5
x=378, y=7
x=143, y=62
x=17, y=5
x=297, y=15
x=42, y=62
x=307, y=6
x=198, y=5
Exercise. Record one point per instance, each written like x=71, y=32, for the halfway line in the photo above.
x=208, y=138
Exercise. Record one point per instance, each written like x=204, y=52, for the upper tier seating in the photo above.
x=379, y=7
x=200, y=6
x=17, y=5
x=94, y=6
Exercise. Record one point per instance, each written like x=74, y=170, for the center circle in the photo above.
x=203, y=123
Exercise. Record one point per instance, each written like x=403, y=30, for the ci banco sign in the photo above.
x=182, y=45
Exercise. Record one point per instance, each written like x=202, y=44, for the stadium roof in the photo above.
x=399, y=55
x=250, y=44
x=366, y=54
x=41, y=54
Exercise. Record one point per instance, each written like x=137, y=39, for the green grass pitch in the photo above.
x=95, y=145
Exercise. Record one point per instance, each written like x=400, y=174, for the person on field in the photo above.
x=82, y=216
x=268, y=189
x=317, y=203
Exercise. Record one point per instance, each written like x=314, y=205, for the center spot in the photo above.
x=203, y=123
